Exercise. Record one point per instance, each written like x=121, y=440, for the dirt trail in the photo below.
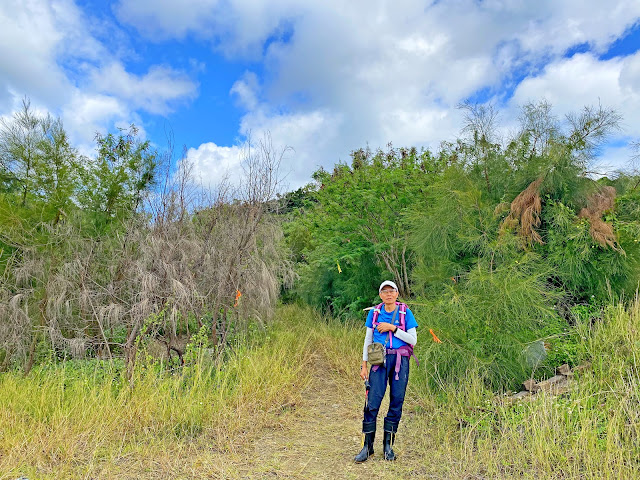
x=319, y=437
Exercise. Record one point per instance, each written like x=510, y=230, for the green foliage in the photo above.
x=495, y=239
x=580, y=265
x=487, y=322
x=449, y=227
x=357, y=224
x=114, y=183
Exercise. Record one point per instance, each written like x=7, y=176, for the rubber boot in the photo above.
x=387, y=441
x=367, y=447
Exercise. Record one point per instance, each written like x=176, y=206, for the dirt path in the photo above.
x=319, y=438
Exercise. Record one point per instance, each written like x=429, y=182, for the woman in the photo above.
x=386, y=327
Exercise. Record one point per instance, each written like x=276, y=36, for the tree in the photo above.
x=20, y=138
x=114, y=183
x=357, y=223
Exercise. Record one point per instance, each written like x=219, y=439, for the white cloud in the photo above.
x=311, y=136
x=85, y=114
x=397, y=74
x=166, y=18
x=28, y=30
x=239, y=27
x=247, y=90
x=569, y=84
x=357, y=73
x=579, y=80
x=319, y=128
x=213, y=164
x=153, y=92
x=49, y=54
x=329, y=76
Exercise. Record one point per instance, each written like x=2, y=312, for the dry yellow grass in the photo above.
x=290, y=407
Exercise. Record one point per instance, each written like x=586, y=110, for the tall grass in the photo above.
x=80, y=422
x=591, y=432
x=77, y=419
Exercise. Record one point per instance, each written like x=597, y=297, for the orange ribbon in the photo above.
x=435, y=338
x=238, y=295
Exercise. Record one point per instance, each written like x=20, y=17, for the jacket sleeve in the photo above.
x=410, y=336
x=368, y=340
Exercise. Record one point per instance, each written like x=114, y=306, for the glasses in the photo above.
x=388, y=291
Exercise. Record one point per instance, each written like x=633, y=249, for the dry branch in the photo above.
x=525, y=213
x=597, y=204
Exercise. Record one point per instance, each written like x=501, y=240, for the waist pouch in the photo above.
x=376, y=353
x=405, y=351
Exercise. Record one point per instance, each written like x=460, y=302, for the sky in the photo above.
x=321, y=78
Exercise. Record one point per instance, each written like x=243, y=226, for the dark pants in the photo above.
x=378, y=380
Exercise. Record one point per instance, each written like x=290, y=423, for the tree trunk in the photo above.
x=130, y=351
x=34, y=341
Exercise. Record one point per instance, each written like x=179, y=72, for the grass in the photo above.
x=72, y=421
x=591, y=432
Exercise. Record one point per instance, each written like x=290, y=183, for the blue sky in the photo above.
x=322, y=77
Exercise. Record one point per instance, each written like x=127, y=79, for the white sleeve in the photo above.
x=368, y=340
x=410, y=336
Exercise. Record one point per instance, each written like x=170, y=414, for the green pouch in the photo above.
x=376, y=353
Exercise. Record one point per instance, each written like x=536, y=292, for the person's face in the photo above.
x=389, y=295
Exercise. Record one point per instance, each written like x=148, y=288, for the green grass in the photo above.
x=73, y=420
x=591, y=432
x=85, y=421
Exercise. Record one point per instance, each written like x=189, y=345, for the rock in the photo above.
x=565, y=370
x=520, y=396
x=554, y=384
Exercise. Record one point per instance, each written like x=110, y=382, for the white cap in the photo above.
x=389, y=283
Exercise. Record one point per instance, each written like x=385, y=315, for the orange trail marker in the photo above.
x=435, y=338
x=238, y=295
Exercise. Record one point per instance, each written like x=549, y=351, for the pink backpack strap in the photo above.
x=402, y=310
x=403, y=313
x=376, y=312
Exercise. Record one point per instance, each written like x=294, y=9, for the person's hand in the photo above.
x=364, y=373
x=386, y=327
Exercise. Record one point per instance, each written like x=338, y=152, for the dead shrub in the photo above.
x=186, y=264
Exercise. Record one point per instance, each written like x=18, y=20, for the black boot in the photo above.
x=367, y=448
x=387, y=441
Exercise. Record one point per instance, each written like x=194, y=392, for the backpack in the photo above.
x=402, y=310
x=405, y=350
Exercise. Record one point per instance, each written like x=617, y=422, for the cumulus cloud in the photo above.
x=247, y=90
x=327, y=77
x=239, y=27
x=29, y=30
x=166, y=18
x=153, y=92
x=213, y=164
x=49, y=54
x=582, y=80
x=357, y=73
